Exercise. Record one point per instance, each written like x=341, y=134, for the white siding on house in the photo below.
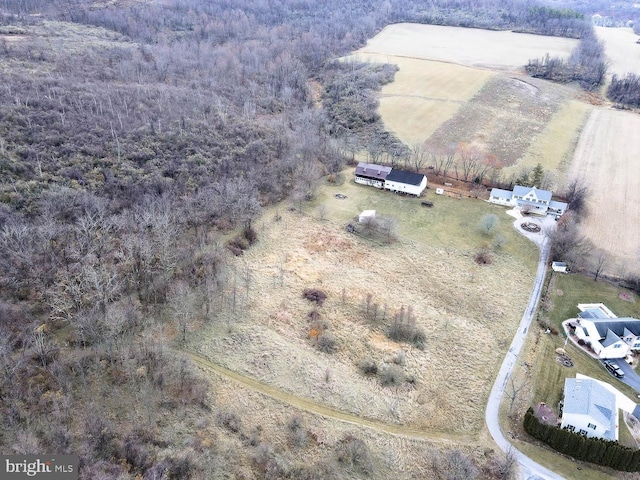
x=405, y=187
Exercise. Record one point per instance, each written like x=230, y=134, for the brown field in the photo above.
x=606, y=157
x=466, y=311
x=457, y=85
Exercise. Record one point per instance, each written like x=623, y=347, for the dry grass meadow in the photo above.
x=468, y=312
x=457, y=85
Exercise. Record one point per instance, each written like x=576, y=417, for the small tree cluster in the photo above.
x=595, y=450
x=403, y=328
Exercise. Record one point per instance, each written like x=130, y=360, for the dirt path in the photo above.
x=328, y=412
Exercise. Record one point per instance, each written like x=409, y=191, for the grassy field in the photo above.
x=424, y=94
x=430, y=269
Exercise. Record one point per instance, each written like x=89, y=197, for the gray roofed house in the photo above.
x=530, y=199
x=589, y=409
x=609, y=337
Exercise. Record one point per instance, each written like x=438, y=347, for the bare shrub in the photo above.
x=454, y=465
x=355, y=455
x=502, y=467
x=369, y=367
x=391, y=376
x=298, y=435
x=315, y=295
x=249, y=234
x=488, y=223
x=230, y=421
x=326, y=342
x=483, y=255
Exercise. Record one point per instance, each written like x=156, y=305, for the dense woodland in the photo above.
x=134, y=135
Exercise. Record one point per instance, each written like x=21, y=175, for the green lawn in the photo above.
x=450, y=223
x=566, y=291
x=570, y=289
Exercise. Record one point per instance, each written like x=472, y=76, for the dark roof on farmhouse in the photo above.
x=402, y=176
x=372, y=170
x=617, y=326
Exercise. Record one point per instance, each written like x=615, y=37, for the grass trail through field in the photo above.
x=318, y=409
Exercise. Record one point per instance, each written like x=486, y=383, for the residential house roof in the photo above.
x=497, y=192
x=372, y=170
x=610, y=339
x=588, y=397
x=402, y=176
x=617, y=326
x=521, y=191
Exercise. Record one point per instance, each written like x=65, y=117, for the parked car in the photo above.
x=613, y=368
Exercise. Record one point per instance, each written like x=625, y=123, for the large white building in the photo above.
x=392, y=179
x=528, y=199
x=589, y=409
x=608, y=335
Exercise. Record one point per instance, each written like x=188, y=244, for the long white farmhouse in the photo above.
x=531, y=199
x=392, y=179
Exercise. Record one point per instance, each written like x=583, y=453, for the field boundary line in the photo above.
x=313, y=407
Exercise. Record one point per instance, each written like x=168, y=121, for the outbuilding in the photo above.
x=366, y=216
x=560, y=267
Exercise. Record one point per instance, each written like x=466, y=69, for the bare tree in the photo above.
x=576, y=193
x=419, y=156
x=489, y=222
x=513, y=391
x=600, y=260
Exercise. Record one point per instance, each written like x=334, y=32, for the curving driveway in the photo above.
x=529, y=469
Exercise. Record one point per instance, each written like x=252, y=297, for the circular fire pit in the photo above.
x=530, y=227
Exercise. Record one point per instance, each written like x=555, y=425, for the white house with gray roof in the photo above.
x=531, y=199
x=608, y=335
x=589, y=409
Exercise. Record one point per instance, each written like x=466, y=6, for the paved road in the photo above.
x=529, y=469
x=631, y=378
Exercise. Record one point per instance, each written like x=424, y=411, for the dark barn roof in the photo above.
x=371, y=170
x=402, y=176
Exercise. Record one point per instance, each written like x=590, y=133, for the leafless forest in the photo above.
x=133, y=137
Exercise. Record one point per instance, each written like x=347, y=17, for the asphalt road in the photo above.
x=631, y=378
x=529, y=469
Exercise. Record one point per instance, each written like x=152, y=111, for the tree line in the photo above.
x=607, y=453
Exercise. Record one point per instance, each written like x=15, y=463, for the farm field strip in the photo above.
x=496, y=50
x=606, y=158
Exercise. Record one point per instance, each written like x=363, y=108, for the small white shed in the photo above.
x=560, y=267
x=366, y=215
